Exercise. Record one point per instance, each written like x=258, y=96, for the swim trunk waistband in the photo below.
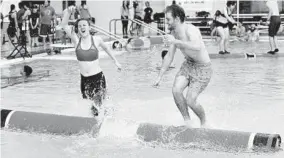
x=189, y=61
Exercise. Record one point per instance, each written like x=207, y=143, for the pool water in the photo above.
x=243, y=95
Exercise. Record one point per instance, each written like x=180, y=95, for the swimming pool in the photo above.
x=244, y=95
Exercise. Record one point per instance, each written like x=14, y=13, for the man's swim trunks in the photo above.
x=198, y=74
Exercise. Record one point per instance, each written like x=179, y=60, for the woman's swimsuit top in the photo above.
x=91, y=54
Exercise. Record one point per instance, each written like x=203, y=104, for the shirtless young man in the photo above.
x=195, y=73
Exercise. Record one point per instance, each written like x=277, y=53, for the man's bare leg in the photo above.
x=194, y=90
x=179, y=86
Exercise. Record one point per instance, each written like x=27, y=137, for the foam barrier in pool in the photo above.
x=72, y=125
x=229, y=139
x=48, y=123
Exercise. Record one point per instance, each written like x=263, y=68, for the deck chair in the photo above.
x=19, y=45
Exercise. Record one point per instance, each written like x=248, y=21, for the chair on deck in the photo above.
x=19, y=44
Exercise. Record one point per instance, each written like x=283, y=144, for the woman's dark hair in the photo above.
x=12, y=7
x=77, y=22
x=83, y=2
x=174, y=2
x=230, y=3
x=176, y=11
x=127, y=4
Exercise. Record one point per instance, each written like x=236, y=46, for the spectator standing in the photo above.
x=84, y=11
x=124, y=17
x=274, y=25
x=12, y=27
x=20, y=15
x=46, y=17
x=148, y=11
x=34, y=22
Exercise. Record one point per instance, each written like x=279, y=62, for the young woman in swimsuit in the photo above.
x=93, y=83
x=224, y=22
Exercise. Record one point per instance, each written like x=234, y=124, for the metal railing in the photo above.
x=107, y=33
x=149, y=26
x=133, y=21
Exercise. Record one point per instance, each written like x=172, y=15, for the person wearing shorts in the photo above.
x=148, y=15
x=20, y=15
x=274, y=25
x=195, y=73
x=93, y=82
x=46, y=15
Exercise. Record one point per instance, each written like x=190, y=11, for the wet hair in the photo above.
x=12, y=7
x=230, y=3
x=129, y=40
x=218, y=13
x=176, y=11
x=28, y=70
x=164, y=53
x=77, y=22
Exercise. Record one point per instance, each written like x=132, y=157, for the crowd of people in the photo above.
x=35, y=23
x=135, y=11
x=29, y=23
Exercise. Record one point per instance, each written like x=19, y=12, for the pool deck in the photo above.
x=39, y=53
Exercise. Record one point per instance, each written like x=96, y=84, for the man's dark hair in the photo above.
x=83, y=2
x=230, y=3
x=135, y=4
x=26, y=3
x=28, y=70
x=20, y=5
x=176, y=11
x=71, y=3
